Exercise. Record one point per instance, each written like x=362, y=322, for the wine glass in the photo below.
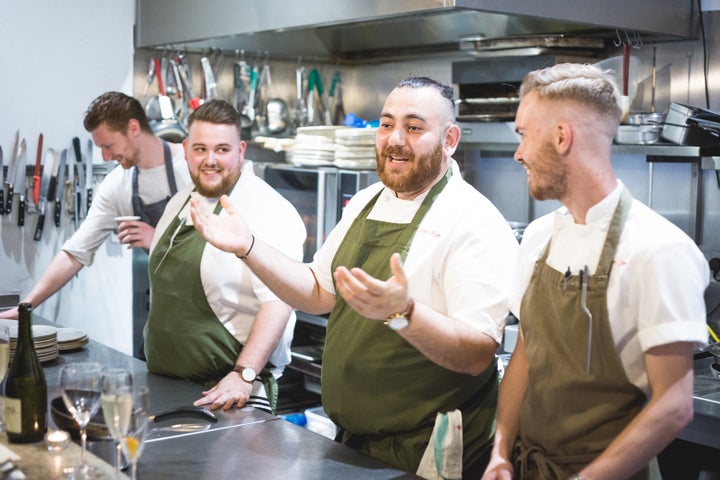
x=80, y=386
x=117, y=401
x=4, y=363
x=134, y=440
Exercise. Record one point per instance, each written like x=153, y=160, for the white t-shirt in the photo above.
x=113, y=198
x=461, y=260
x=233, y=292
x=656, y=285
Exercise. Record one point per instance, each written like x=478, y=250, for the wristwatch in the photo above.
x=400, y=321
x=248, y=374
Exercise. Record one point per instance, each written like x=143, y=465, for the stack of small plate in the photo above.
x=71, y=339
x=44, y=338
x=355, y=148
x=314, y=146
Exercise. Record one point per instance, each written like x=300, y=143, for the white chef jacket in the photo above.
x=113, y=198
x=461, y=260
x=656, y=285
x=233, y=292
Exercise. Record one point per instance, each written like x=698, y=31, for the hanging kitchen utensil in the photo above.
x=61, y=186
x=241, y=81
x=300, y=113
x=209, y=83
x=47, y=189
x=20, y=183
x=88, y=176
x=318, y=113
x=79, y=182
x=168, y=127
x=247, y=117
x=2, y=186
x=337, y=107
x=32, y=206
x=260, y=104
x=191, y=99
x=276, y=110
x=17, y=149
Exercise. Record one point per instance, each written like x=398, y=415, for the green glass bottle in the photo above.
x=25, y=387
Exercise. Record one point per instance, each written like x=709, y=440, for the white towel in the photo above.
x=442, y=459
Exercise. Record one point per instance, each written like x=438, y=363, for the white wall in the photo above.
x=56, y=56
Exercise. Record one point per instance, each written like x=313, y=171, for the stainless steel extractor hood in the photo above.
x=356, y=29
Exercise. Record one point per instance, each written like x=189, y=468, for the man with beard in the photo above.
x=152, y=171
x=211, y=320
x=609, y=297
x=416, y=277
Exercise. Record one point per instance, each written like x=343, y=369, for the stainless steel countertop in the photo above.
x=706, y=421
x=242, y=442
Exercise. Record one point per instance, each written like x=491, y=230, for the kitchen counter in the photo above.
x=242, y=441
x=706, y=395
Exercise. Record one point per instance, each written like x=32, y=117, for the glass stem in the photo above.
x=118, y=447
x=133, y=470
x=83, y=437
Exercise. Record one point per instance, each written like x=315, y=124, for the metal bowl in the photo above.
x=653, y=118
x=96, y=429
x=638, y=134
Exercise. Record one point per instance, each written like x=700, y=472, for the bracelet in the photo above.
x=252, y=244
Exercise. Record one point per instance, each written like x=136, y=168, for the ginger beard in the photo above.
x=547, y=178
x=425, y=169
x=215, y=189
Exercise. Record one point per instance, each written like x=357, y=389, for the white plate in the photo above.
x=65, y=335
x=39, y=331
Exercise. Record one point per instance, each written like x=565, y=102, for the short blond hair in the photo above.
x=585, y=84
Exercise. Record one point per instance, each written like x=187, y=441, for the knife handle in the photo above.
x=78, y=206
x=21, y=211
x=58, y=211
x=40, y=223
x=88, y=199
x=8, y=202
x=2, y=200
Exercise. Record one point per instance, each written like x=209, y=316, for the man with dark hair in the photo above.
x=416, y=277
x=152, y=171
x=211, y=319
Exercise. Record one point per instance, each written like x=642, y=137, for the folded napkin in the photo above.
x=7, y=454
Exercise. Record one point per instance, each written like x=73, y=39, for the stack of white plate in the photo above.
x=44, y=338
x=71, y=339
x=314, y=146
x=355, y=148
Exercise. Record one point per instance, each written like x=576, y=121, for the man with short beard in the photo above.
x=211, y=320
x=416, y=277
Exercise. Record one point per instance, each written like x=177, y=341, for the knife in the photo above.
x=2, y=187
x=89, y=176
x=47, y=189
x=21, y=182
x=10, y=175
x=79, y=181
x=36, y=177
x=60, y=187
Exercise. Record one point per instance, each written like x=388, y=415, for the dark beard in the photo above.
x=425, y=171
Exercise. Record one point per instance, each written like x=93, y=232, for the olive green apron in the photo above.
x=183, y=336
x=364, y=363
x=569, y=414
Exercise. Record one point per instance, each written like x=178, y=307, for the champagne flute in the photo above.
x=134, y=440
x=4, y=363
x=117, y=401
x=80, y=386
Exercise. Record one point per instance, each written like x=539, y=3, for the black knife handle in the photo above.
x=2, y=199
x=78, y=206
x=8, y=202
x=57, y=212
x=39, y=226
x=88, y=199
x=21, y=211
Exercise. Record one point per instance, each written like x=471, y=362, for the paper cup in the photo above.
x=127, y=218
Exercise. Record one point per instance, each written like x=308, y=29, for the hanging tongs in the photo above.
x=300, y=112
x=336, y=101
x=321, y=116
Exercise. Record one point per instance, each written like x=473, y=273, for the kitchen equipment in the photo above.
x=79, y=182
x=569, y=46
x=638, y=134
x=46, y=189
x=20, y=183
x=336, y=100
x=300, y=112
x=209, y=83
x=97, y=429
x=9, y=179
x=689, y=125
x=33, y=205
x=88, y=176
x=167, y=127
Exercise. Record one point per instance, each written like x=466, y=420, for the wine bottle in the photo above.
x=25, y=387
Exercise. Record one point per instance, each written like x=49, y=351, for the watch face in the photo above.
x=248, y=374
x=398, y=323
